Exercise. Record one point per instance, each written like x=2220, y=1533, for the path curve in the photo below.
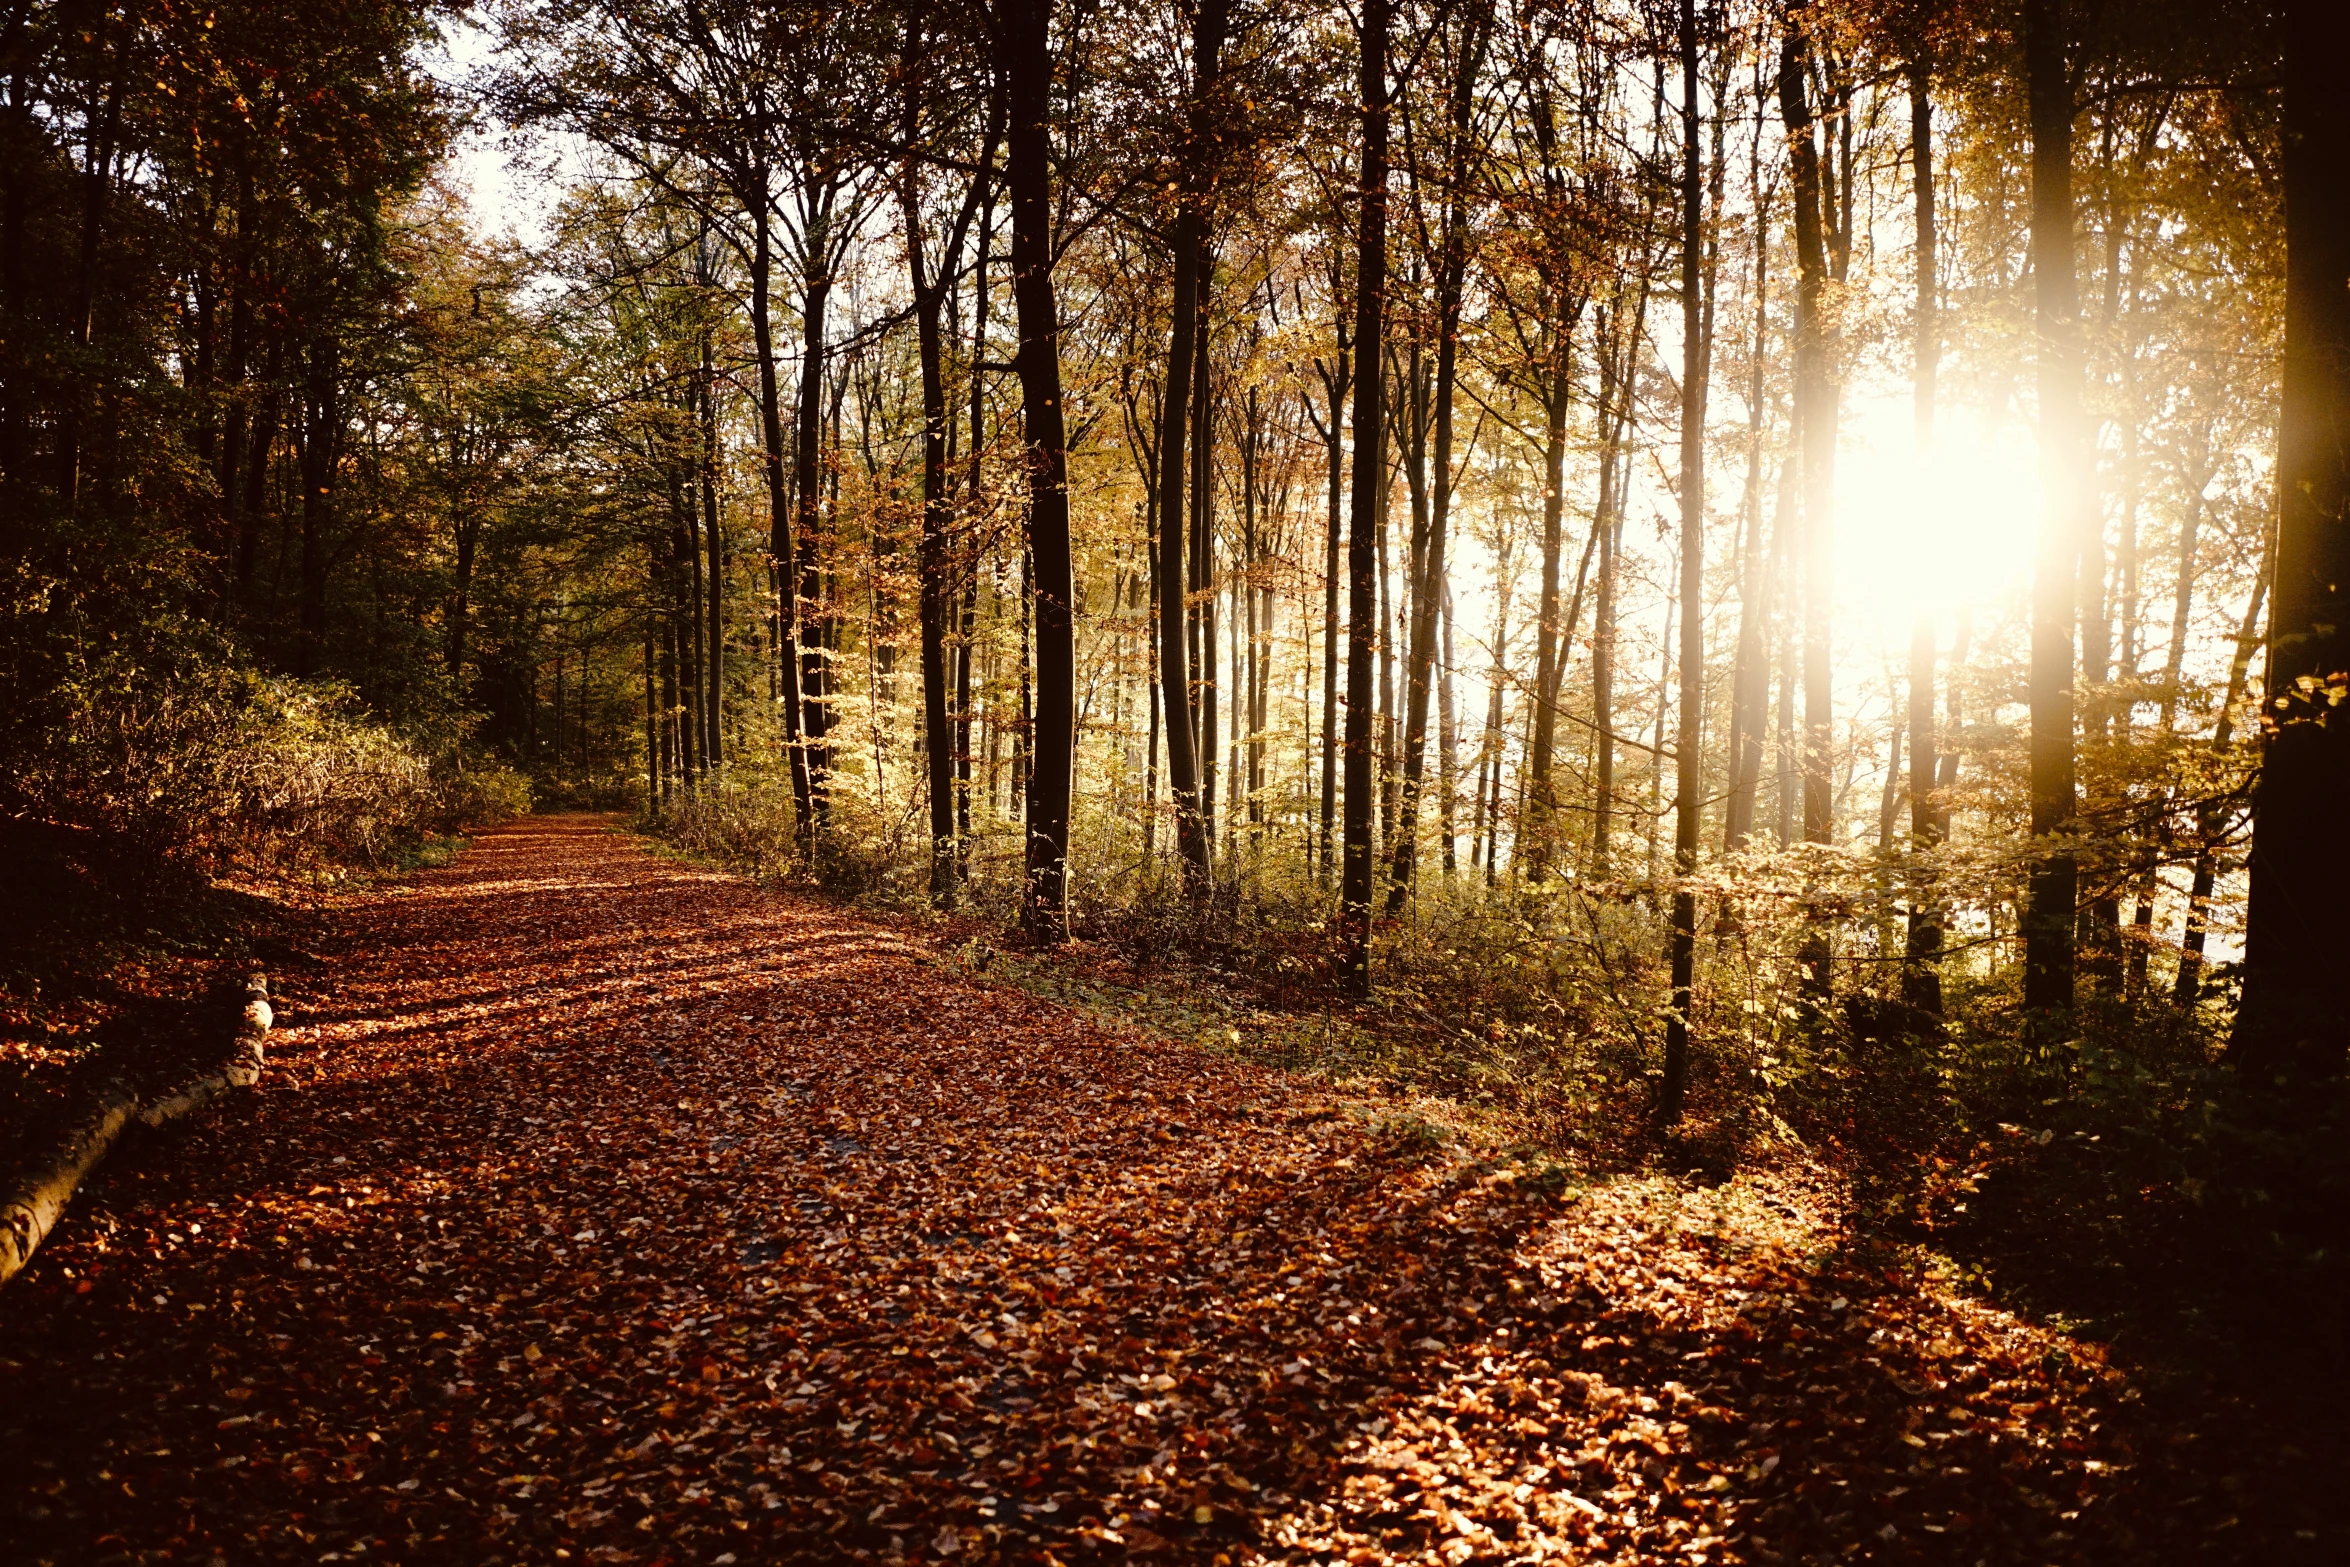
x=598, y=1207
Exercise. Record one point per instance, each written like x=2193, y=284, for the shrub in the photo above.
x=166, y=757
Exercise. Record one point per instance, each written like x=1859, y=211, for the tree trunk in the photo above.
x=2294, y=1019
x=97, y=188
x=461, y=594
x=1603, y=628
x=1538, y=832
x=938, y=743
x=968, y=622
x=322, y=429
x=1202, y=564
x=1485, y=824
x=1687, y=783
x=1334, y=383
x=1428, y=583
x=1816, y=395
x=1368, y=501
x=1023, y=41
x=255, y=497
x=813, y=754
x=785, y=623
x=1448, y=749
x=714, y=543
x=652, y=732
x=1921, y=978
x=2211, y=817
x=2049, y=911
x=1750, y=680
x=1187, y=242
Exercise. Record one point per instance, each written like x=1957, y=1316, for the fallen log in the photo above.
x=35, y=1196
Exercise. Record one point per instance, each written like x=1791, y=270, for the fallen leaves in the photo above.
x=603, y=1207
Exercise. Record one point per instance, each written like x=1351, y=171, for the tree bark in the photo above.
x=34, y=1195
x=779, y=518
x=2212, y=815
x=1368, y=500
x=2049, y=910
x=1538, y=833
x=807, y=498
x=938, y=745
x=1448, y=748
x=321, y=433
x=1921, y=980
x=1428, y=584
x=1816, y=416
x=1200, y=581
x=714, y=546
x=1695, y=371
x=1750, y=681
x=2294, y=1018
x=1187, y=243
x=1334, y=383
x=1024, y=59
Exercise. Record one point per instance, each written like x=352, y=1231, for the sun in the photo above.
x=1945, y=530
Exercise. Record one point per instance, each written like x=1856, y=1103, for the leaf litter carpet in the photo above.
x=602, y=1209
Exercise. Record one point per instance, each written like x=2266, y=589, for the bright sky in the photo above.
x=503, y=198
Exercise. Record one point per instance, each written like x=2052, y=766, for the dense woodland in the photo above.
x=1725, y=576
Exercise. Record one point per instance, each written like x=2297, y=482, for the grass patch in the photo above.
x=429, y=853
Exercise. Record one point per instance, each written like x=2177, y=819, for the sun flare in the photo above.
x=1945, y=530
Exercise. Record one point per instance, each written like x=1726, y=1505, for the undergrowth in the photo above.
x=2123, y=1180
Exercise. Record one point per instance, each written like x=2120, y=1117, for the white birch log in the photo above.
x=35, y=1197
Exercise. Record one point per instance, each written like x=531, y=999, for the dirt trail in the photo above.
x=603, y=1209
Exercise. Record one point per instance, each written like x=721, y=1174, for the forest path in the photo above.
x=598, y=1207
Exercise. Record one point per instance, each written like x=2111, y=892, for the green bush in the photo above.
x=162, y=755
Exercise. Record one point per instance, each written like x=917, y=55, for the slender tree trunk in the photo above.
x=1603, y=629
x=18, y=141
x=1368, y=502
x=2211, y=816
x=1816, y=399
x=97, y=189
x=468, y=533
x=1387, y=754
x=938, y=741
x=968, y=622
x=1485, y=830
x=254, y=501
x=1202, y=565
x=1429, y=582
x=1335, y=384
x=1237, y=669
x=1448, y=750
x=2066, y=506
x=1921, y=980
x=1538, y=832
x=2182, y=605
x=320, y=440
x=714, y=747
x=784, y=625
x=652, y=733
x=1750, y=680
x=1688, y=784
x=807, y=592
x=689, y=566
x=1176, y=408
x=229, y=461
x=1024, y=729
x=1150, y=777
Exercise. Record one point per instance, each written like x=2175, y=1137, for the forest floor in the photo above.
x=597, y=1207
